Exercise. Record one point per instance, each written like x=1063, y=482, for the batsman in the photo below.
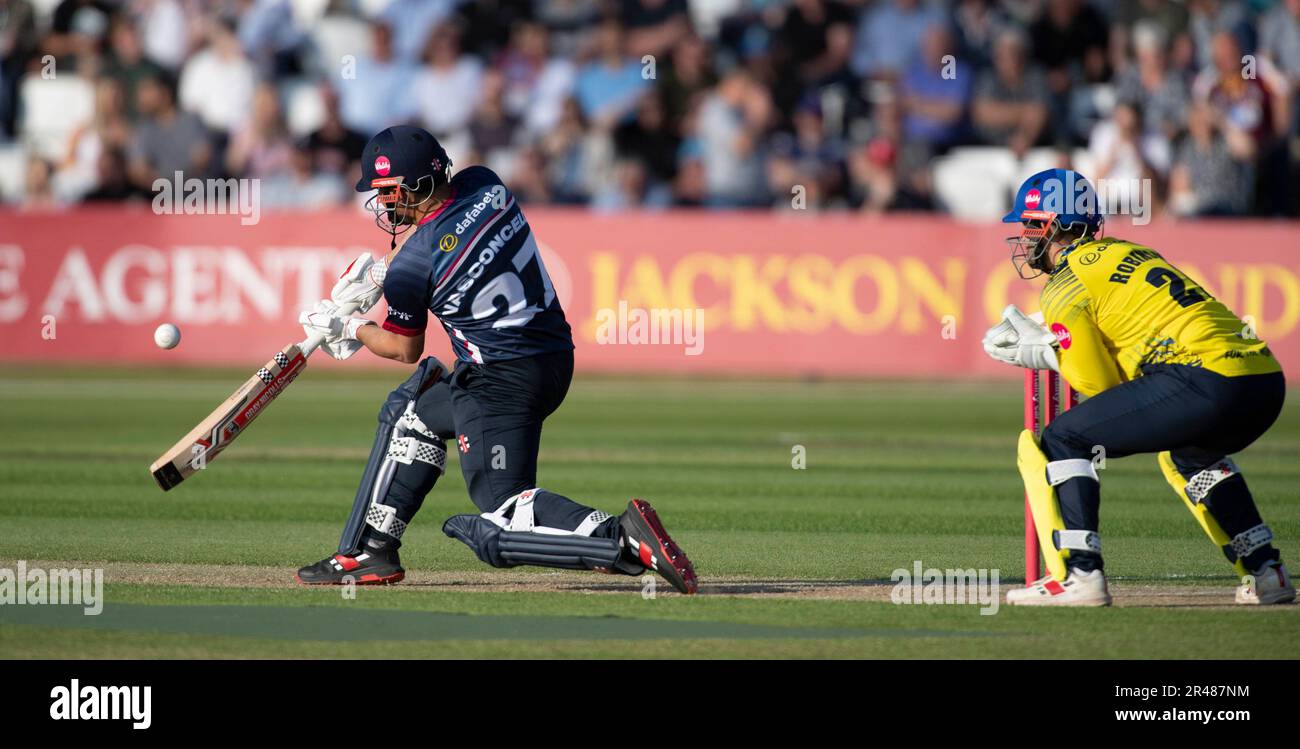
x=1167, y=368
x=463, y=253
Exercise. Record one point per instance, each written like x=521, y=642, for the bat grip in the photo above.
x=313, y=341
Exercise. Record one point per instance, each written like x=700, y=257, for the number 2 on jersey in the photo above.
x=520, y=308
x=1185, y=297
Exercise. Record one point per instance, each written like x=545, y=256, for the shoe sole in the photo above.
x=1093, y=600
x=366, y=579
x=1282, y=592
x=1087, y=602
x=655, y=546
x=1269, y=600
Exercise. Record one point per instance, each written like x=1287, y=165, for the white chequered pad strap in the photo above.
x=1078, y=541
x=1199, y=486
x=405, y=450
x=591, y=522
x=384, y=519
x=1247, y=542
x=412, y=422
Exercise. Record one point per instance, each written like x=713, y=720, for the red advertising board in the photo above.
x=777, y=294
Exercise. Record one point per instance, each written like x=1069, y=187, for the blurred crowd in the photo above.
x=615, y=104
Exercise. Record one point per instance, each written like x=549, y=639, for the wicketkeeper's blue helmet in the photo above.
x=1050, y=203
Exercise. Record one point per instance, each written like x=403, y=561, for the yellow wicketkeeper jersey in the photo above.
x=1115, y=306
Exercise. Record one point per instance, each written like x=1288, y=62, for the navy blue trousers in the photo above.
x=491, y=416
x=1198, y=415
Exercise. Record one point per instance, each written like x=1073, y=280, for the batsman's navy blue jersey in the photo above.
x=474, y=264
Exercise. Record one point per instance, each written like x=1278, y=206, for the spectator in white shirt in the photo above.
x=217, y=83
x=448, y=89
x=164, y=33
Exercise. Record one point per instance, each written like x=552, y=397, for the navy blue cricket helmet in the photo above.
x=405, y=155
x=1051, y=204
x=405, y=164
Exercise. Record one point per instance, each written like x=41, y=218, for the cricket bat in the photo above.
x=215, y=433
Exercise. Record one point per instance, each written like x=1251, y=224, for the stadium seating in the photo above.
x=973, y=182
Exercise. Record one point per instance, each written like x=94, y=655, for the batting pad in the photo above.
x=502, y=548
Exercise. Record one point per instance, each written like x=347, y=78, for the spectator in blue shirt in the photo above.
x=411, y=22
x=378, y=95
x=936, y=91
x=609, y=86
x=889, y=37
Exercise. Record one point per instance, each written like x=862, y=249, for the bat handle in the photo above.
x=313, y=341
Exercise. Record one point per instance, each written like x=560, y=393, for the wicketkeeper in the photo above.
x=1168, y=369
x=471, y=261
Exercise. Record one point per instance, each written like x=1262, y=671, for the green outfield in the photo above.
x=793, y=562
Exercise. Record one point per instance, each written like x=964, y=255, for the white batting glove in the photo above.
x=1022, y=340
x=362, y=283
x=340, y=333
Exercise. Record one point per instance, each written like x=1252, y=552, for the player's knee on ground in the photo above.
x=512, y=536
x=548, y=509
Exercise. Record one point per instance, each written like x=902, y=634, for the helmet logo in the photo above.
x=1033, y=198
x=383, y=166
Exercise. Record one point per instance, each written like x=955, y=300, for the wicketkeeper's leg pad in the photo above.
x=508, y=537
x=1041, y=478
x=1222, y=482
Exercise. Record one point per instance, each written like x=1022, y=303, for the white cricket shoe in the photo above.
x=1269, y=585
x=1079, y=589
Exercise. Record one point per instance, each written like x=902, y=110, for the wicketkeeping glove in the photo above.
x=340, y=332
x=362, y=282
x=1022, y=340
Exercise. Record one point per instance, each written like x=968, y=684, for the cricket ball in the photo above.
x=167, y=336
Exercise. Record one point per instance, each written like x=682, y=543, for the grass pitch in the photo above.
x=793, y=562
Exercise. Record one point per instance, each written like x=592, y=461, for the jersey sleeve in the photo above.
x=1085, y=360
x=408, y=311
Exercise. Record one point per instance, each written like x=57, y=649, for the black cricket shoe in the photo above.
x=652, y=547
x=376, y=564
